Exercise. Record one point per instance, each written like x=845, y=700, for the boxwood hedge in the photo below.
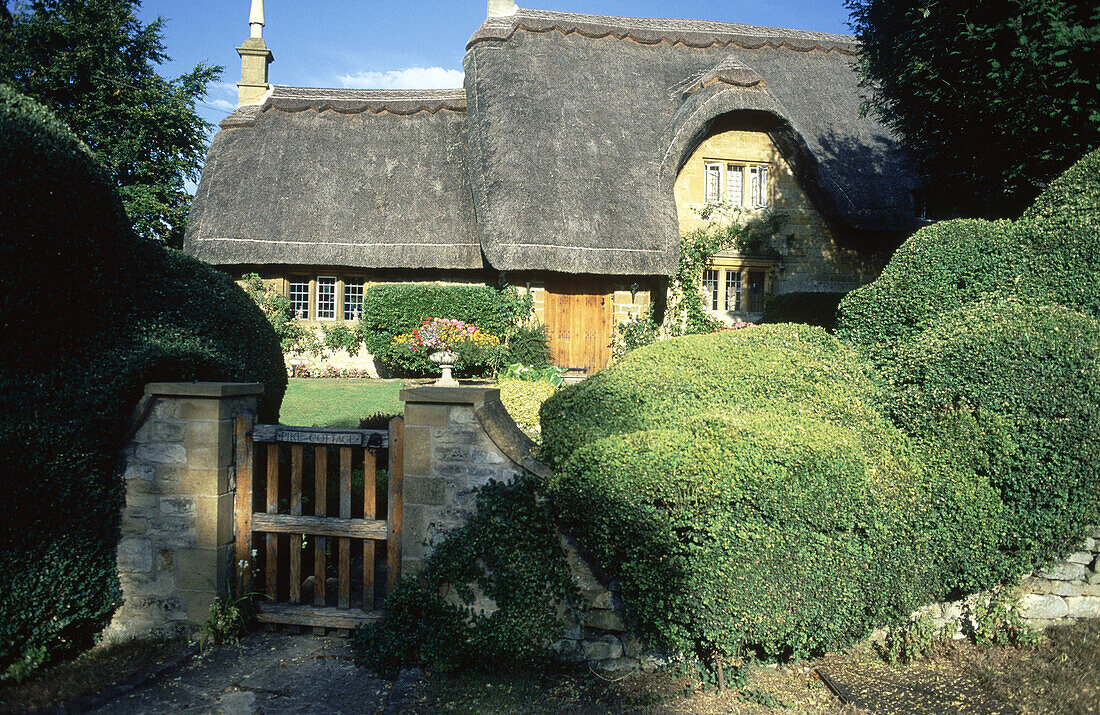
x=90, y=313
x=1038, y=368
x=660, y=384
x=745, y=494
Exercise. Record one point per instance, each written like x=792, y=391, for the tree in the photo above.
x=992, y=98
x=94, y=64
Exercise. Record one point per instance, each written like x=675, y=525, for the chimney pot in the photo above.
x=502, y=8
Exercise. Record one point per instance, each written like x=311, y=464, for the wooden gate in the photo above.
x=579, y=315
x=307, y=518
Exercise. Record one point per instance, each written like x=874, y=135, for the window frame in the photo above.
x=361, y=284
x=747, y=170
x=739, y=305
x=324, y=280
x=303, y=301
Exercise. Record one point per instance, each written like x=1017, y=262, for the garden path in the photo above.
x=270, y=673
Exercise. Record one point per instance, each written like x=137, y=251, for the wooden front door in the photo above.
x=579, y=319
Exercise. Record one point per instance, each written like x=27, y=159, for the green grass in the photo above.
x=334, y=402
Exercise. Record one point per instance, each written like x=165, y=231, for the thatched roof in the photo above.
x=371, y=179
x=583, y=121
x=564, y=145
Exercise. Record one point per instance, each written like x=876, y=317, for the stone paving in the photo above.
x=269, y=673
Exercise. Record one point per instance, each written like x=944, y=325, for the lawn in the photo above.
x=334, y=402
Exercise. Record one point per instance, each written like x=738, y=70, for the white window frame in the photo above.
x=710, y=284
x=735, y=197
x=330, y=283
x=712, y=193
x=758, y=186
x=299, y=300
x=353, y=304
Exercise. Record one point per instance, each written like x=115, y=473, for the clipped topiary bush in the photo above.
x=1038, y=369
x=90, y=313
x=806, y=307
x=1062, y=230
x=744, y=492
x=393, y=310
x=664, y=383
x=940, y=268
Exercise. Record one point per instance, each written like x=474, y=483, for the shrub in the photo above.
x=632, y=333
x=766, y=530
x=663, y=383
x=1037, y=368
x=91, y=315
x=393, y=310
x=507, y=553
x=528, y=345
x=940, y=268
x=808, y=308
x=1062, y=229
x=523, y=399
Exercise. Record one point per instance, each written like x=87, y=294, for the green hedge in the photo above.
x=809, y=308
x=90, y=316
x=391, y=310
x=1062, y=229
x=1037, y=368
x=941, y=267
x=659, y=385
x=744, y=492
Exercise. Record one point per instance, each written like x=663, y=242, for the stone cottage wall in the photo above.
x=176, y=550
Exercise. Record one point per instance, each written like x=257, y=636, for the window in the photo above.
x=726, y=182
x=758, y=186
x=353, y=298
x=735, y=184
x=737, y=289
x=733, y=290
x=713, y=179
x=299, y=297
x=710, y=288
x=326, y=298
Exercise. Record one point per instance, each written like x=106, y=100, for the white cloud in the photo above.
x=221, y=104
x=409, y=78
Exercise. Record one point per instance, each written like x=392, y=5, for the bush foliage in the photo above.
x=1038, y=368
x=756, y=499
x=392, y=310
x=91, y=314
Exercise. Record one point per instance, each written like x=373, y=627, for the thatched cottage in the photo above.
x=578, y=151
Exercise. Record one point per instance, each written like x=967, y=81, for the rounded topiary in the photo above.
x=90, y=313
x=1038, y=368
x=939, y=268
x=766, y=529
x=1062, y=231
x=663, y=384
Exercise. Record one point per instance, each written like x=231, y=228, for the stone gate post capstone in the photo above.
x=175, y=554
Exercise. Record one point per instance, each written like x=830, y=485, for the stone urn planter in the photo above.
x=446, y=360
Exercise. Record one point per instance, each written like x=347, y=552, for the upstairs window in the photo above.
x=326, y=297
x=299, y=297
x=713, y=179
x=758, y=186
x=353, y=298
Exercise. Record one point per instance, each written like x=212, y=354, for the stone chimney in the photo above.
x=255, y=57
x=502, y=8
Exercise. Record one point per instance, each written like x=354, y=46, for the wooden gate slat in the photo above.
x=320, y=490
x=397, y=479
x=344, y=543
x=296, y=510
x=271, y=563
x=369, y=509
x=243, y=506
x=322, y=618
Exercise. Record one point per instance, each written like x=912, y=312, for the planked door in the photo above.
x=579, y=316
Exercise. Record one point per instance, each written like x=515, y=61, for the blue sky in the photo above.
x=401, y=43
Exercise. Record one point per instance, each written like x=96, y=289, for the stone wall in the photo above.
x=1066, y=592
x=456, y=440
x=176, y=550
